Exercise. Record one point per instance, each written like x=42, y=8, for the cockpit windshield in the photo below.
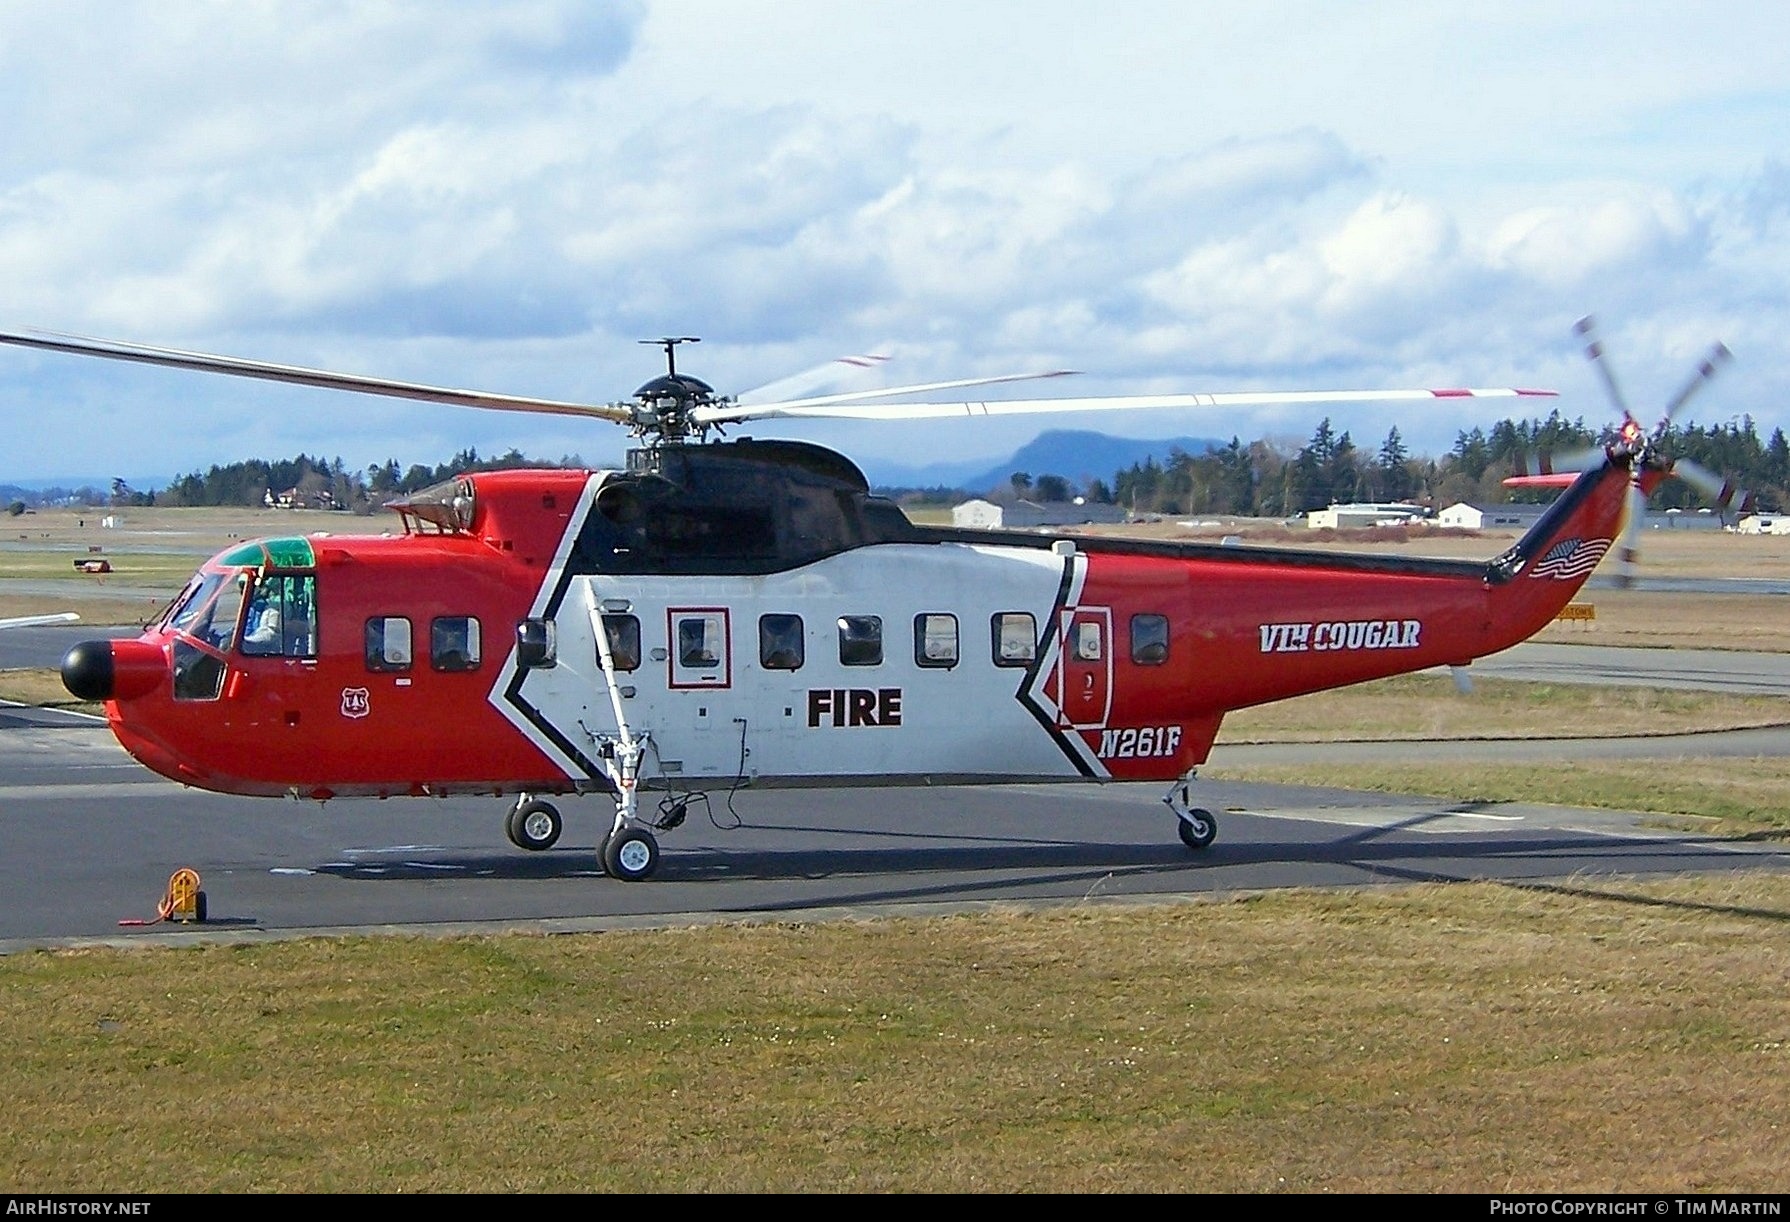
x=209, y=610
x=182, y=601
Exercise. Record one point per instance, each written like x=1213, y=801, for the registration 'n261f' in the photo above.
x=1144, y=742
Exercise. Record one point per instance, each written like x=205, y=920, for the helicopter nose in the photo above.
x=112, y=670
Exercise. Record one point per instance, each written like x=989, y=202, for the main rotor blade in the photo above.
x=203, y=362
x=779, y=389
x=1594, y=348
x=1707, y=368
x=1015, y=407
x=743, y=408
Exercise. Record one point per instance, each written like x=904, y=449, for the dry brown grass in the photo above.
x=1420, y=707
x=42, y=688
x=1589, y=1036
x=1646, y=619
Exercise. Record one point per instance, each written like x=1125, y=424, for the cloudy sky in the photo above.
x=1192, y=197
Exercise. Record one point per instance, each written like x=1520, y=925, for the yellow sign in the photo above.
x=1578, y=611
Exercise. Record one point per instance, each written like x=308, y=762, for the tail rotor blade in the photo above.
x=1526, y=465
x=1707, y=368
x=1577, y=460
x=1586, y=327
x=1724, y=494
x=1628, y=551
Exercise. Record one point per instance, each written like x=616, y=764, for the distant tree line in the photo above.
x=1258, y=479
x=320, y=482
x=1262, y=480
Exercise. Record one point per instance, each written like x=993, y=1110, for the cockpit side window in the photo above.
x=282, y=617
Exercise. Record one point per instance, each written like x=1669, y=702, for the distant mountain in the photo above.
x=1077, y=455
x=38, y=491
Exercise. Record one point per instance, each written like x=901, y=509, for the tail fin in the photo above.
x=1529, y=584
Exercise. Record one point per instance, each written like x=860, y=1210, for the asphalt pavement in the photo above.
x=92, y=839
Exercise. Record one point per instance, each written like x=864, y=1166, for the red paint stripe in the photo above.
x=1452, y=394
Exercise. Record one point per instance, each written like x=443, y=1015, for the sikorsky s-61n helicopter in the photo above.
x=745, y=612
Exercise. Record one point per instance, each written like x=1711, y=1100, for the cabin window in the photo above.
x=388, y=643
x=935, y=640
x=1086, y=641
x=700, y=641
x=282, y=617
x=1015, y=638
x=537, y=644
x=454, y=643
x=1149, y=639
x=860, y=640
x=624, y=641
x=780, y=644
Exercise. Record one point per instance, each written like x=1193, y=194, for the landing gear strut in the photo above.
x=629, y=852
x=1197, y=825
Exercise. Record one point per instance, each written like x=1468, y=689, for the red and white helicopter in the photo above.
x=730, y=613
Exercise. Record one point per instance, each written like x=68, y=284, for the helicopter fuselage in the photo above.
x=747, y=613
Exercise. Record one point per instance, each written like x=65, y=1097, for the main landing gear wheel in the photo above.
x=533, y=825
x=631, y=854
x=1197, y=827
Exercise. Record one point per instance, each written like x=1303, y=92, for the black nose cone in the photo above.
x=87, y=670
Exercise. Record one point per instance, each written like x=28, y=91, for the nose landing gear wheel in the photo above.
x=534, y=825
x=631, y=854
x=1198, y=828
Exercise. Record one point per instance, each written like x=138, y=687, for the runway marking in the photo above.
x=97, y=718
x=400, y=848
x=109, y=789
x=1429, y=823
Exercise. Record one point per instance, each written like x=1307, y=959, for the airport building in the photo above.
x=1024, y=515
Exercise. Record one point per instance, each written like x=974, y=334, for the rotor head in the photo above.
x=664, y=408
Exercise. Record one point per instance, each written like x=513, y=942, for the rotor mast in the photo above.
x=664, y=407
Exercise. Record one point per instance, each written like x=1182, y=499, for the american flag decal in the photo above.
x=1570, y=559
